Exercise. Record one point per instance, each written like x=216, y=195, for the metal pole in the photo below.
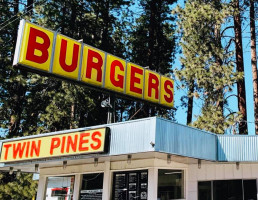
x=109, y=114
x=113, y=103
x=110, y=104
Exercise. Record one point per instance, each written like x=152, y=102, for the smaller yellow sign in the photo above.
x=85, y=142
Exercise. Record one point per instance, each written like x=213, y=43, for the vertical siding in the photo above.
x=132, y=136
x=237, y=148
x=186, y=141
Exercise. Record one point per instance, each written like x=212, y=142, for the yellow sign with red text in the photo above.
x=85, y=142
x=43, y=50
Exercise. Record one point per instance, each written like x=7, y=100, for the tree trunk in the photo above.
x=151, y=34
x=105, y=33
x=254, y=63
x=72, y=115
x=190, y=104
x=30, y=7
x=63, y=24
x=219, y=62
x=73, y=23
x=81, y=119
x=240, y=68
x=14, y=32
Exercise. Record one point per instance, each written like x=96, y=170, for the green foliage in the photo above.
x=206, y=63
x=151, y=42
x=17, y=188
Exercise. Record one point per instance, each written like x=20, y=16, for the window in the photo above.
x=92, y=186
x=250, y=190
x=130, y=185
x=227, y=189
x=170, y=184
x=60, y=188
x=204, y=190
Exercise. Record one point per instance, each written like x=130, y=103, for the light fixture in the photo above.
x=11, y=171
x=168, y=158
x=18, y=173
x=199, y=164
x=36, y=167
x=152, y=144
x=129, y=159
x=64, y=164
x=96, y=162
x=237, y=165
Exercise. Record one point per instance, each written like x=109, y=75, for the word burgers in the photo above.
x=43, y=50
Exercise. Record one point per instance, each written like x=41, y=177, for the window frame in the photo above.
x=58, y=175
x=184, y=179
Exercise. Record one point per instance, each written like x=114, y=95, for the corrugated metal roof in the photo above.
x=184, y=140
x=132, y=137
x=137, y=136
x=237, y=148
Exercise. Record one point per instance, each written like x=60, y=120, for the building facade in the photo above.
x=150, y=158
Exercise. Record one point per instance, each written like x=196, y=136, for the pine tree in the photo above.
x=206, y=64
x=153, y=36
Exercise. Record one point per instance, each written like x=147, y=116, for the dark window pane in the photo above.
x=204, y=190
x=250, y=190
x=170, y=184
x=227, y=190
x=92, y=187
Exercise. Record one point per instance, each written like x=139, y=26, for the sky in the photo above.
x=181, y=112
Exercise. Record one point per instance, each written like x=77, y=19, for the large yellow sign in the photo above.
x=43, y=50
x=85, y=142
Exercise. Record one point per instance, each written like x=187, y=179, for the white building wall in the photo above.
x=218, y=171
x=152, y=165
x=207, y=172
